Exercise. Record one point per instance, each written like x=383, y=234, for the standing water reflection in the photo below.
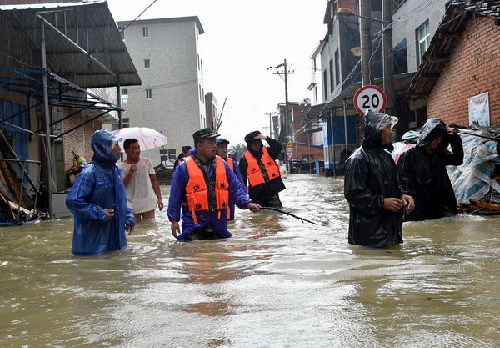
x=278, y=282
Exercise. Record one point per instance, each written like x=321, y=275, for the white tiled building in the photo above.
x=171, y=99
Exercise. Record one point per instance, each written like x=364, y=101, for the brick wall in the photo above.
x=301, y=151
x=79, y=140
x=473, y=69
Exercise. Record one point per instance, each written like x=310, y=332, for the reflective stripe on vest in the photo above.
x=254, y=173
x=197, y=188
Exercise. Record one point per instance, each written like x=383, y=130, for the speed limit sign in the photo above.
x=370, y=97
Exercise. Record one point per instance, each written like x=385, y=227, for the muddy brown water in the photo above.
x=277, y=283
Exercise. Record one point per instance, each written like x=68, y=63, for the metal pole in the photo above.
x=119, y=103
x=333, y=148
x=387, y=57
x=345, y=122
x=48, y=148
x=309, y=146
x=270, y=126
x=287, y=162
x=366, y=41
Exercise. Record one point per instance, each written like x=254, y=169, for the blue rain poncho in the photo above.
x=99, y=186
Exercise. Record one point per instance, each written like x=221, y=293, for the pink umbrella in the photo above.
x=148, y=138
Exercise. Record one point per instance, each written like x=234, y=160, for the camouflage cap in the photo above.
x=205, y=133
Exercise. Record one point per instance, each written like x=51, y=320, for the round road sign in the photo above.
x=370, y=97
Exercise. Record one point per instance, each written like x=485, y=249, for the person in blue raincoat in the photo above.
x=201, y=189
x=371, y=187
x=233, y=164
x=98, y=201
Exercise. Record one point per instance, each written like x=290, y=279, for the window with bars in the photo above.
x=168, y=155
x=149, y=93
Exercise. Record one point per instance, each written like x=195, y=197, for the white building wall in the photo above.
x=176, y=107
x=409, y=17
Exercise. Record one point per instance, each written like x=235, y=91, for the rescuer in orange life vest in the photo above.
x=202, y=187
x=258, y=166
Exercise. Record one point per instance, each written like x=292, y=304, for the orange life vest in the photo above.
x=254, y=174
x=197, y=188
x=230, y=162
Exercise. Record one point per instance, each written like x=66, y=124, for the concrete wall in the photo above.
x=175, y=77
x=473, y=69
x=409, y=17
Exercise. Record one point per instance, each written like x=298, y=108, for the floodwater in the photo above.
x=277, y=283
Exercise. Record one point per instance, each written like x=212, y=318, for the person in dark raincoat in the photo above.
x=423, y=175
x=371, y=187
x=202, y=187
x=258, y=166
x=98, y=201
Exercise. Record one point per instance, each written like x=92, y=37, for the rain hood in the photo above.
x=102, y=141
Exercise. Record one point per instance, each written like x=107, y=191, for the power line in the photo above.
x=140, y=14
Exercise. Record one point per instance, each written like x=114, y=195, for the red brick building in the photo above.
x=461, y=62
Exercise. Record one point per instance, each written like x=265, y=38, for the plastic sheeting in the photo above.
x=473, y=179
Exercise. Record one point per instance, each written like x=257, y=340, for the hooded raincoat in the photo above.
x=423, y=174
x=371, y=176
x=177, y=202
x=99, y=186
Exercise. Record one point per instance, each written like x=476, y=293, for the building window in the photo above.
x=122, y=33
x=201, y=95
x=147, y=63
x=330, y=66
x=168, y=155
x=145, y=32
x=325, y=85
x=337, y=68
x=125, y=124
x=149, y=93
x=423, y=40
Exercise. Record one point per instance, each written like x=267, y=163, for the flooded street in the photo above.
x=277, y=283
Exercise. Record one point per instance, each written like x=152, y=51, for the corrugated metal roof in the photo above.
x=83, y=43
x=445, y=40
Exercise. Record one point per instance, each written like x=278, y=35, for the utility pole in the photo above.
x=270, y=124
x=387, y=57
x=48, y=143
x=287, y=134
x=366, y=41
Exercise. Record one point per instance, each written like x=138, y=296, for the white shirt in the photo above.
x=140, y=194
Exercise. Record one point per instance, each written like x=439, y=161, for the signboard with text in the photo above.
x=370, y=97
x=479, y=110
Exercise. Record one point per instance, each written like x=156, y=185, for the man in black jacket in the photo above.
x=423, y=174
x=258, y=167
x=371, y=187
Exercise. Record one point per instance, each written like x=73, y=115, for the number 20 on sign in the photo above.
x=370, y=97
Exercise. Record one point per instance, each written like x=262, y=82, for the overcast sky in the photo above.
x=241, y=40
